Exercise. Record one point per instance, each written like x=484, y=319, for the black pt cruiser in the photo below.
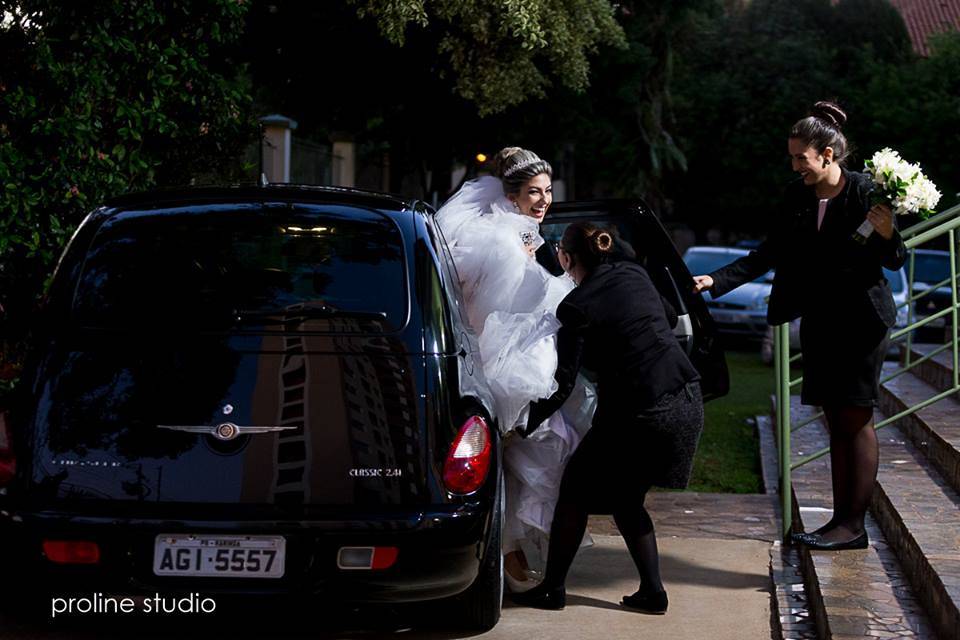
x=272, y=390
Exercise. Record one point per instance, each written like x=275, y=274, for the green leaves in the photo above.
x=100, y=99
x=502, y=53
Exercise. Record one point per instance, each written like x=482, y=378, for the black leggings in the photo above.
x=636, y=527
x=613, y=469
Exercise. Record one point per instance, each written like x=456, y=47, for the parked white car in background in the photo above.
x=741, y=312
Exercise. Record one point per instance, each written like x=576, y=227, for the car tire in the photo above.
x=479, y=607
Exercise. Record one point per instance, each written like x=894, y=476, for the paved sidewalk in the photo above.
x=719, y=589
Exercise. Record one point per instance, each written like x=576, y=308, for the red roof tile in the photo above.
x=926, y=17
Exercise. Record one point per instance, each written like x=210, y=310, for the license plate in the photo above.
x=224, y=556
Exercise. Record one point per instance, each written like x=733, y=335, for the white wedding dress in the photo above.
x=511, y=304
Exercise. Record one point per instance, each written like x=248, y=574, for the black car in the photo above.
x=271, y=390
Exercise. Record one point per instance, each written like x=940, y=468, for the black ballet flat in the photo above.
x=652, y=603
x=804, y=538
x=814, y=541
x=541, y=597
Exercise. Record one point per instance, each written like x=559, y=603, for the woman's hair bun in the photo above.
x=603, y=241
x=830, y=113
x=499, y=161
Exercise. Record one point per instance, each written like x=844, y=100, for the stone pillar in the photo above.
x=275, y=147
x=344, y=161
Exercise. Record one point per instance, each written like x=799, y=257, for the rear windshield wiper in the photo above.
x=305, y=311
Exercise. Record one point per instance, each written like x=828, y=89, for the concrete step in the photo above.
x=853, y=594
x=919, y=513
x=938, y=370
x=934, y=431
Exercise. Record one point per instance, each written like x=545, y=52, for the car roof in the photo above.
x=274, y=191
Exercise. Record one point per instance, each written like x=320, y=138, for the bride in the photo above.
x=492, y=227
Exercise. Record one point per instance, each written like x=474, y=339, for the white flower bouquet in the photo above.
x=900, y=185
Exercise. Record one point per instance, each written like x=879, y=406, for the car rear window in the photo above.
x=222, y=267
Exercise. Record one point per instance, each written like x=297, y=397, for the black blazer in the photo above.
x=615, y=324
x=820, y=270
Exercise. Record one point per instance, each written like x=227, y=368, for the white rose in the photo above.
x=927, y=195
x=885, y=163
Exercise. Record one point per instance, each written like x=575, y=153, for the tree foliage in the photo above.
x=101, y=98
x=503, y=53
x=757, y=69
x=915, y=108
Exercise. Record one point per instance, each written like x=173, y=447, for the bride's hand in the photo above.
x=702, y=283
x=530, y=250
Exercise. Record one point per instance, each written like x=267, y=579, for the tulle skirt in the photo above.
x=534, y=467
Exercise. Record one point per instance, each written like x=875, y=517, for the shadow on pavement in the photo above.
x=610, y=564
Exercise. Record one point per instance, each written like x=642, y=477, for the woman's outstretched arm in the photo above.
x=569, y=350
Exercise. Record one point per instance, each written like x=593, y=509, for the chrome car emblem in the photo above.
x=224, y=431
x=227, y=409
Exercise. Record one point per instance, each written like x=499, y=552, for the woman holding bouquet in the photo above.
x=835, y=284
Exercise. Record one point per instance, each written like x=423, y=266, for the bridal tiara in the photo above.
x=520, y=166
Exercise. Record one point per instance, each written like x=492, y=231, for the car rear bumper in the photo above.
x=438, y=556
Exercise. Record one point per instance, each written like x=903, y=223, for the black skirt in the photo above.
x=843, y=355
x=623, y=454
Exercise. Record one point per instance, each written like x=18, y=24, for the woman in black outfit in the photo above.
x=837, y=286
x=648, y=419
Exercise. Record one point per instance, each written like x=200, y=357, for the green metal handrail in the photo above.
x=945, y=223
x=930, y=223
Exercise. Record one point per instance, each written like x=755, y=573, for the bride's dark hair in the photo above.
x=515, y=166
x=589, y=245
x=822, y=129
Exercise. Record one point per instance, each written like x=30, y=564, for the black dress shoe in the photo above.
x=653, y=603
x=814, y=541
x=804, y=538
x=541, y=597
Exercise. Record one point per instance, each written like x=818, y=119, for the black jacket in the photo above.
x=820, y=269
x=615, y=324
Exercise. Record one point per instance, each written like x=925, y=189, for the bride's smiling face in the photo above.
x=535, y=197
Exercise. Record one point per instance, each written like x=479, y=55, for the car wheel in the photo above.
x=479, y=606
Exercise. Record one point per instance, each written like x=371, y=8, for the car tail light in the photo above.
x=469, y=458
x=367, y=557
x=8, y=464
x=71, y=551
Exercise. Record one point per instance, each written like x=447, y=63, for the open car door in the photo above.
x=639, y=227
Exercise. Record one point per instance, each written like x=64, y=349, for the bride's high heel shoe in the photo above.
x=520, y=586
x=517, y=586
x=515, y=564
